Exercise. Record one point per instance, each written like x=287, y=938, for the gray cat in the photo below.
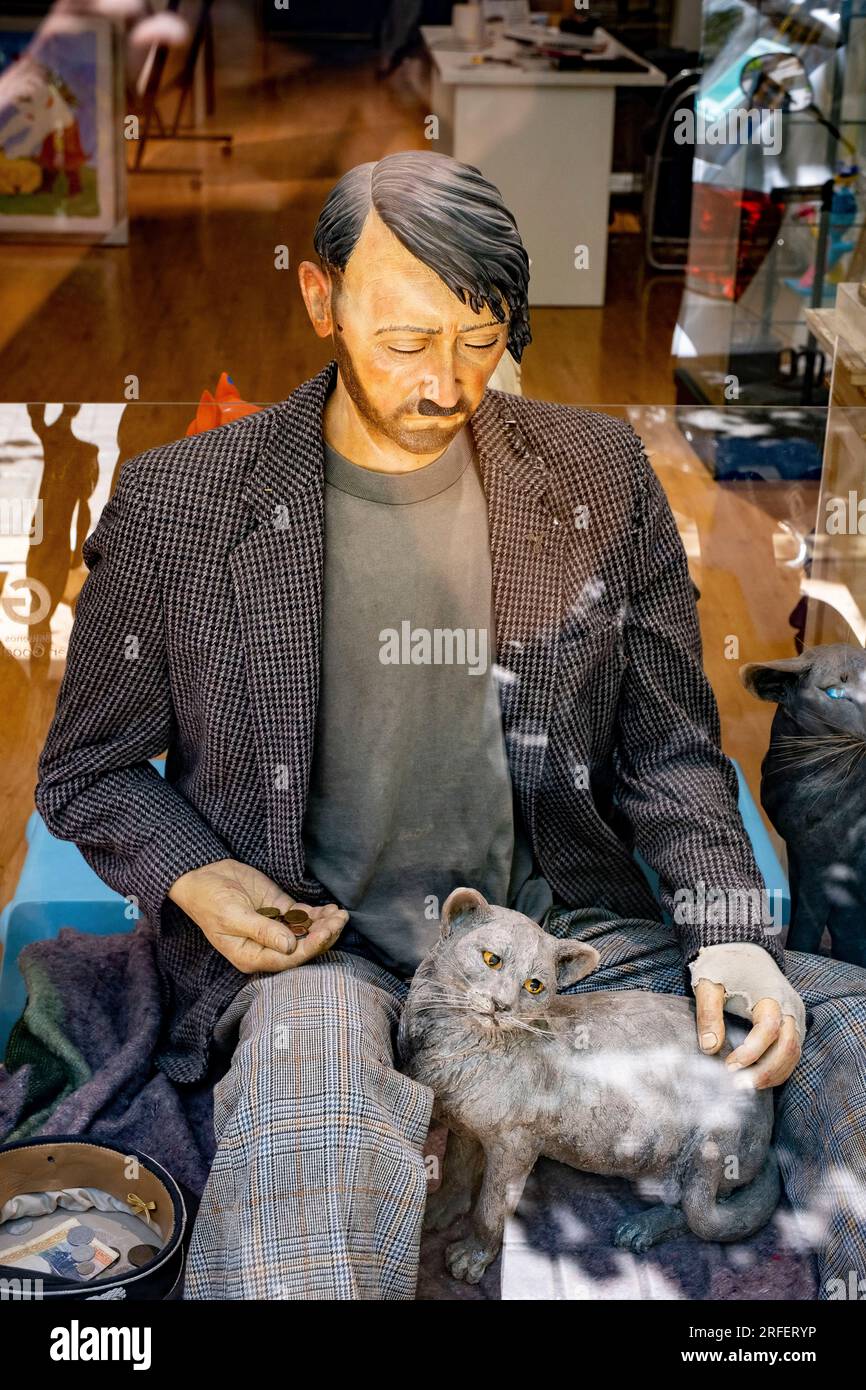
x=610, y=1082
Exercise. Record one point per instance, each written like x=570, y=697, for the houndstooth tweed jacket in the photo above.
x=197, y=631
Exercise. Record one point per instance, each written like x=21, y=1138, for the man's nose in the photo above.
x=440, y=384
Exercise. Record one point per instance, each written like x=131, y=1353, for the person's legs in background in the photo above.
x=318, y=1186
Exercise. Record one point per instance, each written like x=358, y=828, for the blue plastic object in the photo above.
x=773, y=874
x=57, y=888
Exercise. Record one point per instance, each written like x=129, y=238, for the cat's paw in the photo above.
x=444, y=1208
x=467, y=1260
x=634, y=1235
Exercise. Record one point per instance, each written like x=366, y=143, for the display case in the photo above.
x=778, y=205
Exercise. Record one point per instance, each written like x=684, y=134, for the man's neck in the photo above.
x=346, y=430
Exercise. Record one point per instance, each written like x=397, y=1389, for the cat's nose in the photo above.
x=500, y=1006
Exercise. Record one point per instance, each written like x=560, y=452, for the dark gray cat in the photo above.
x=813, y=788
x=610, y=1082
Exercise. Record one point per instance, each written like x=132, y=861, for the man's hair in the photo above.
x=447, y=216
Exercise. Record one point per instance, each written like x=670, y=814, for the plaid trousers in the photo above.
x=318, y=1185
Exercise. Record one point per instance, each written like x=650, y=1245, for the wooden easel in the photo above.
x=202, y=40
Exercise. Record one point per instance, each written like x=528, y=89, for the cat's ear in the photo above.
x=460, y=903
x=771, y=680
x=574, y=961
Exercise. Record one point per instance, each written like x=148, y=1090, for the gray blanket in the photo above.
x=80, y=1061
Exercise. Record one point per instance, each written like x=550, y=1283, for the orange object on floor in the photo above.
x=219, y=409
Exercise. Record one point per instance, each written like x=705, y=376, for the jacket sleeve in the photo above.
x=114, y=712
x=675, y=786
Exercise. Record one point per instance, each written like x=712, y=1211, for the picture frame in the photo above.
x=62, y=162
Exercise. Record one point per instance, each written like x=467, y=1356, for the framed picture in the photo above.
x=62, y=166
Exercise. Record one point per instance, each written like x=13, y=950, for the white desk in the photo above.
x=545, y=139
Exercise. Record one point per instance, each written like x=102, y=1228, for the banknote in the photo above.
x=51, y=1251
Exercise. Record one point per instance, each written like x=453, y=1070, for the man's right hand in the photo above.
x=223, y=899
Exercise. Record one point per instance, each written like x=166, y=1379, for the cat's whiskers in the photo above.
x=807, y=755
x=793, y=742
x=452, y=1005
x=817, y=743
x=854, y=762
x=819, y=753
x=462, y=971
x=817, y=762
x=510, y=1021
x=439, y=993
x=534, y=1028
x=851, y=756
x=816, y=738
x=841, y=764
x=441, y=996
x=447, y=1004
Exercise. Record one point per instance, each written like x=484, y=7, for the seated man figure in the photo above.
x=401, y=632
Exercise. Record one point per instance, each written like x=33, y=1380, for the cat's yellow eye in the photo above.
x=533, y=986
x=490, y=958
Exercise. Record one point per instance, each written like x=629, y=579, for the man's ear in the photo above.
x=772, y=680
x=317, y=290
x=460, y=903
x=574, y=961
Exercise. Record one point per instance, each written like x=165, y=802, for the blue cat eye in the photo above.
x=836, y=692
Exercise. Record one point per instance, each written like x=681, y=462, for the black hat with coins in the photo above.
x=150, y=1270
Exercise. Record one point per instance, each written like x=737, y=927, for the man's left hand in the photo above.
x=739, y=977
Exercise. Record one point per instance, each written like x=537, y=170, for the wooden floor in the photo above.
x=196, y=293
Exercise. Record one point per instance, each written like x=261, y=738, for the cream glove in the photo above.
x=748, y=973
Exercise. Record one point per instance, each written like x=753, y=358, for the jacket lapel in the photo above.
x=277, y=574
x=526, y=538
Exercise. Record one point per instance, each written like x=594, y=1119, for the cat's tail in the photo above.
x=739, y=1213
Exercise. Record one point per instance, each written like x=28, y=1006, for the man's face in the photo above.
x=414, y=360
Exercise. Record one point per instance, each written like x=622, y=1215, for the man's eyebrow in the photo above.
x=491, y=323
x=405, y=328
x=414, y=328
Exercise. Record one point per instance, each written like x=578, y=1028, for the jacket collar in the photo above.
x=291, y=459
